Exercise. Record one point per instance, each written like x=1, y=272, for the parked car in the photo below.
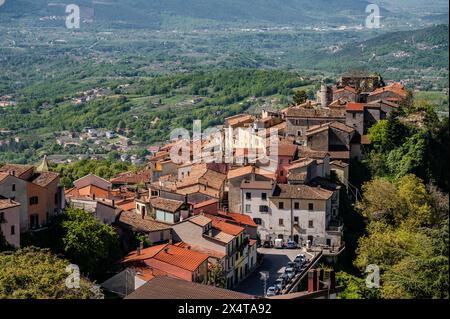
x=278, y=243
x=294, y=265
x=272, y=291
x=285, y=277
x=280, y=284
x=291, y=244
x=268, y=244
x=290, y=272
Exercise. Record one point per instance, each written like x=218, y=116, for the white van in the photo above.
x=278, y=243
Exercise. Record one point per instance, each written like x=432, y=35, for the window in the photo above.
x=56, y=199
x=34, y=220
x=310, y=206
x=281, y=173
x=13, y=230
x=248, y=195
x=248, y=208
x=263, y=196
x=296, y=220
x=354, y=115
x=257, y=221
x=296, y=205
x=299, y=133
x=13, y=187
x=310, y=224
x=281, y=161
x=281, y=205
x=2, y=217
x=154, y=193
x=34, y=200
x=280, y=222
x=263, y=209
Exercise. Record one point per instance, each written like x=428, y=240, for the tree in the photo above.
x=4, y=245
x=355, y=287
x=404, y=201
x=300, y=97
x=217, y=276
x=37, y=274
x=87, y=242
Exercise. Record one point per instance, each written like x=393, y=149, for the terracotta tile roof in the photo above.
x=245, y=170
x=256, y=184
x=44, y=178
x=396, y=88
x=172, y=288
x=136, y=222
x=223, y=236
x=200, y=174
x=339, y=155
x=343, y=127
x=287, y=149
x=238, y=119
x=302, y=162
x=200, y=220
x=222, y=225
x=91, y=190
x=301, y=192
x=168, y=205
x=6, y=203
x=346, y=88
x=202, y=249
x=242, y=219
x=198, y=188
x=305, y=152
x=3, y=176
x=354, y=107
x=131, y=178
x=206, y=203
x=127, y=204
x=181, y=257
x=18, y=169
x=146, y=253
x=315, y=113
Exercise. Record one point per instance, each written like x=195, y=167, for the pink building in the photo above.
x=286, y=154
x=10, y=221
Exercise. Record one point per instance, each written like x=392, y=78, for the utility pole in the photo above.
x=264, y=277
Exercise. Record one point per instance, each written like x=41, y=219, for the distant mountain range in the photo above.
x=399, y=50
x=154, y=13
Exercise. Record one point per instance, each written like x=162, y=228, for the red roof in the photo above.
x=132, y=178
x=228, y=228
x=241, y=219
x=171, y=254
x=354, y=107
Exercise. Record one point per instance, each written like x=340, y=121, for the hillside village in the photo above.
x=201, y=215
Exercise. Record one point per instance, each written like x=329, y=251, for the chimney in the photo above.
x=141, y=245
x=113, y=203
x=166, y=250
x=312, y=282
x=253, y=173
x=138, y=251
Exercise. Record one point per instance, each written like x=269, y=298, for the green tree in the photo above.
x=355, y=287
x=300, y=97
x=217, y=276
x=87, y=242
x=34, y=273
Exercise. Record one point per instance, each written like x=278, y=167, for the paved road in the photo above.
x=274, y=262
